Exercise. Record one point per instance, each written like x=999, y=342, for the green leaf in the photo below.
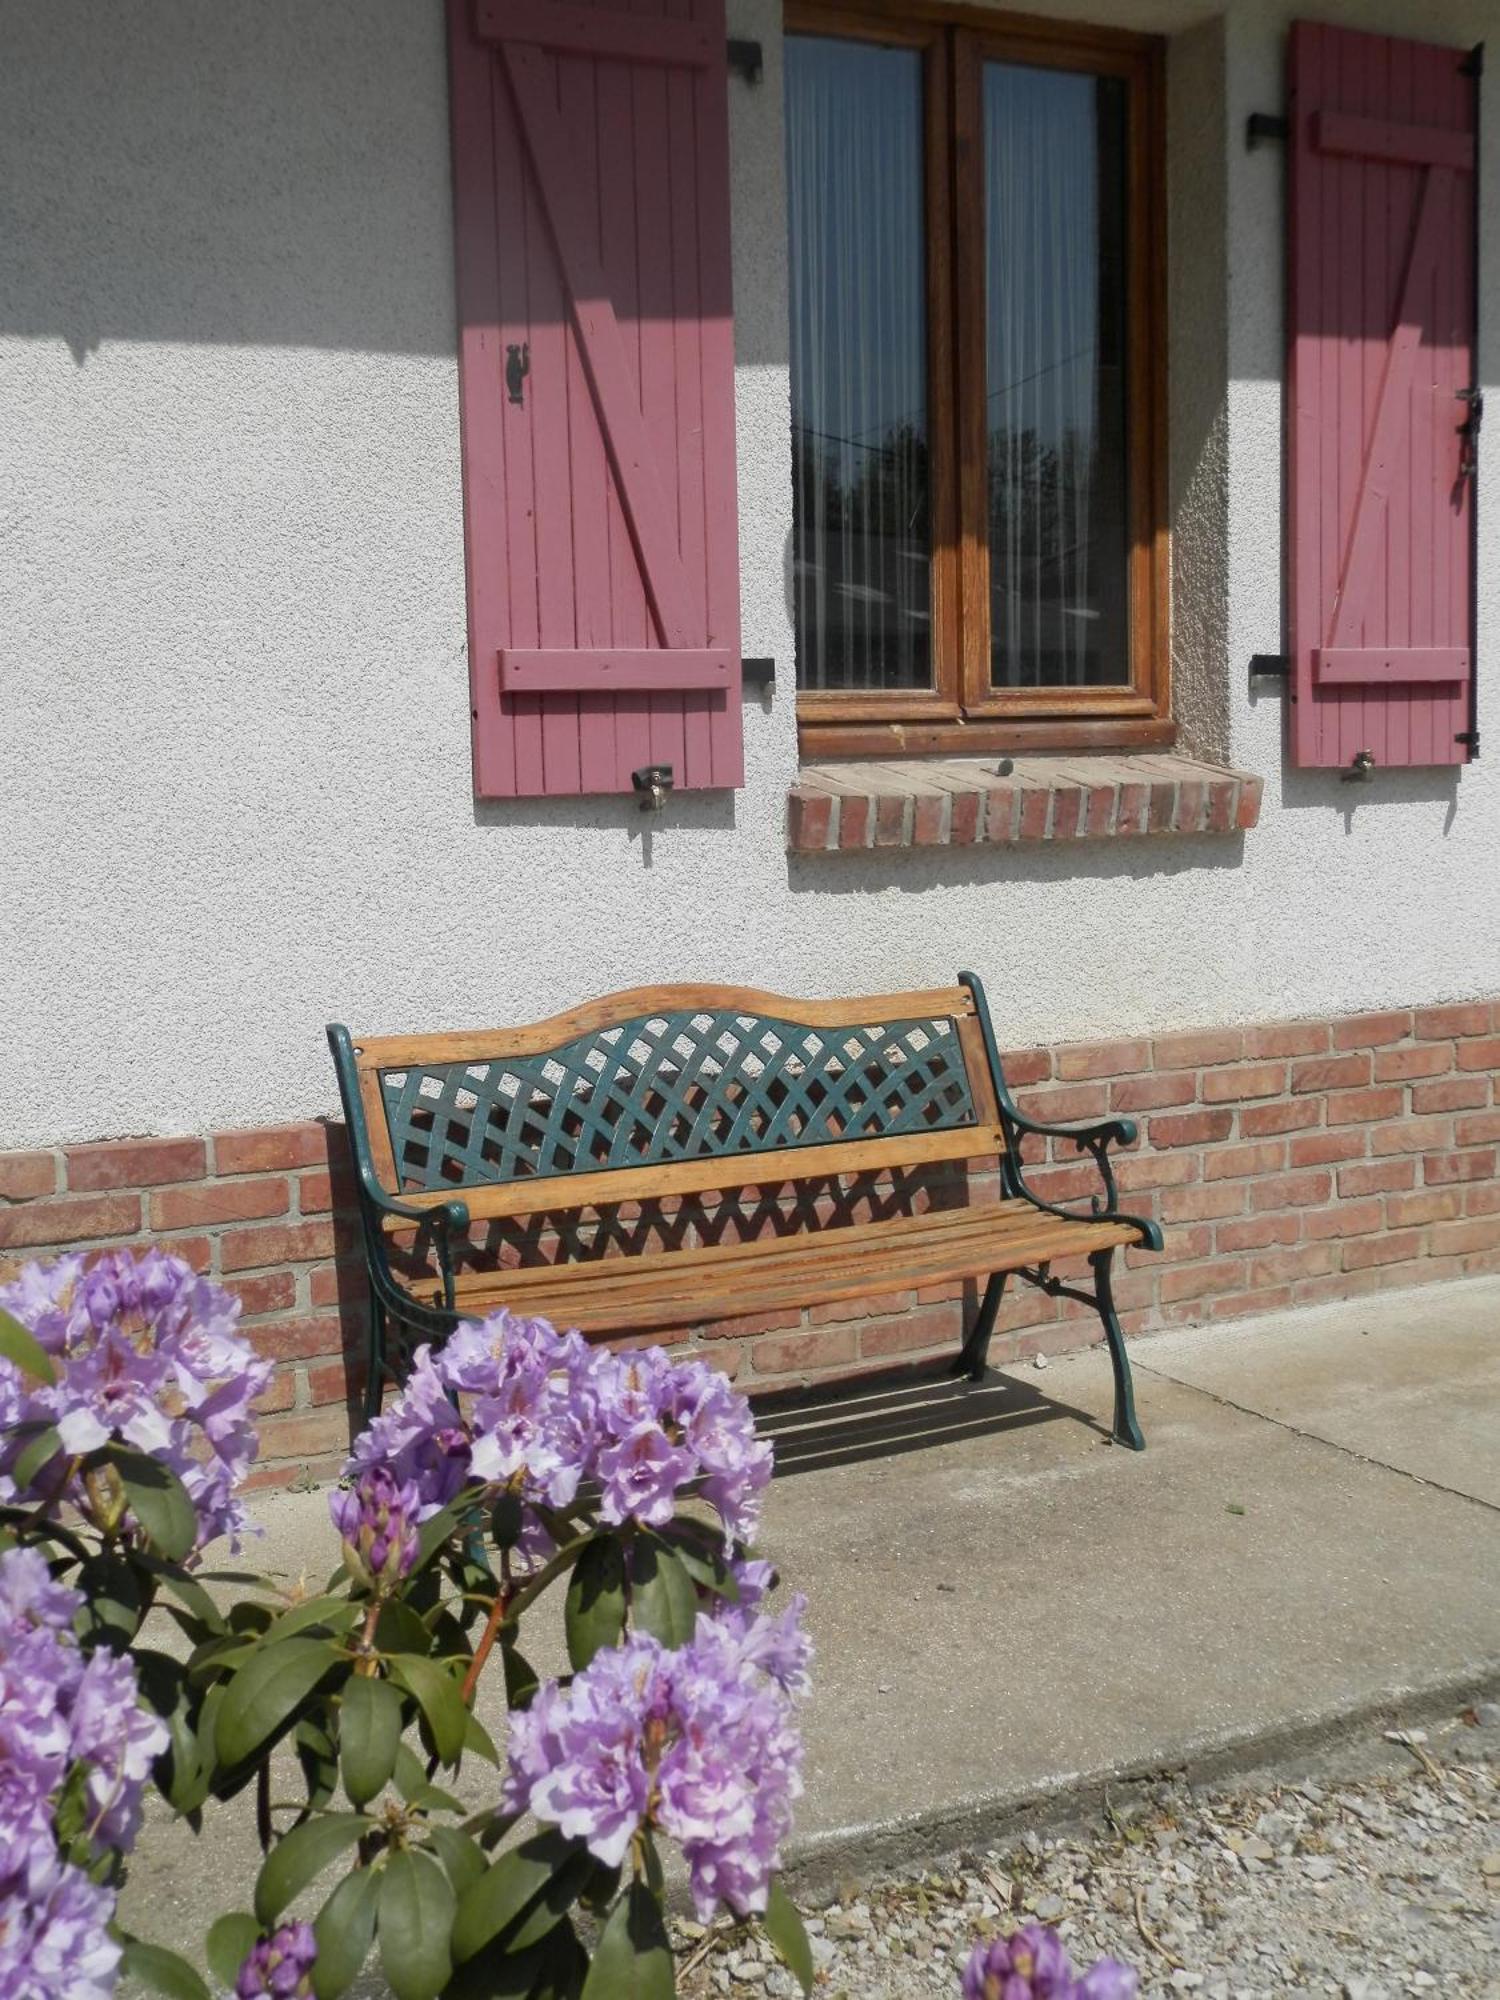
x=507, y=1520
x=338, y=1614
x=23, y=1350
x=416, y=1922
x=261, y=1700
x=594, y=1614
x=345, y=1929
x=319, y=1758
x=633, y=1960
x=113, y=1604
x=478, y=1739
x=369, y=1733
x=523, y=1894
x=158, y=1499
x=783, y=1926
x=398, y=1629
x=440, y=1528
x=460, y=1856
x=708, y=1570
x=521, y=1678
x=663, y=1601
x=39, y=1451
x=300, y=1857
x=438, y=1696
x=188, y=1590
x=163, y=1971
x=230, y=1942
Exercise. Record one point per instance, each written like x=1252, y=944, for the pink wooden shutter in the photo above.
x=596, y=366
x=1381, y=329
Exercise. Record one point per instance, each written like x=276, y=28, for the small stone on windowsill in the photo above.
x=964, y=802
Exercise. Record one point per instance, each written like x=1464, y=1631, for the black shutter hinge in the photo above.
x=760, y=672
x=746, y=60
x=1263, y=125
x=1473, y=62
x=1469, y=738
x=1270, y=666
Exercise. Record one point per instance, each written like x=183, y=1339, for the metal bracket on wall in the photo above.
x=758, y=673
x=1263, y=125
x=1270, y=667
x=746, y=60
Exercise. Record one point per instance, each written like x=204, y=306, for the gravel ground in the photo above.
x=1366, y=1890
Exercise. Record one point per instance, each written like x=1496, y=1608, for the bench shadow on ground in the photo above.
x=889, y=1414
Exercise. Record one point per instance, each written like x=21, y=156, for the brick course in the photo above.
x=1289, y=1163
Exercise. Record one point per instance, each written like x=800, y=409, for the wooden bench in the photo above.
x=678, y=1091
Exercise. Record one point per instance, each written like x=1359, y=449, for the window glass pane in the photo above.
x=861, y=555
x=1055, y=244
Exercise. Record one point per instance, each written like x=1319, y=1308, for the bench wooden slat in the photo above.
x=476, y=1045
x=625, y=1294
x=539, y=1194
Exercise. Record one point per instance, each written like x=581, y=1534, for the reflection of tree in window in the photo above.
x=1055, y=409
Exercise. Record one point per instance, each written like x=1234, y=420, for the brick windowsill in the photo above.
x=963, y=803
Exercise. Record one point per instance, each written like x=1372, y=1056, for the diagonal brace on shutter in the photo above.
x=1381, y=457
x=642, y=495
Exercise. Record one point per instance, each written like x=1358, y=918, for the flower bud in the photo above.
x=377, y=1518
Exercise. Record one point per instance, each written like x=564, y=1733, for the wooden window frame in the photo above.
x=961, y=713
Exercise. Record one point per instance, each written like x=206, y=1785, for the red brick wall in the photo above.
x=1288, y=1164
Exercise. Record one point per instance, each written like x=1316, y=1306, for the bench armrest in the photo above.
x=1093, y=1139
x=448, y=1221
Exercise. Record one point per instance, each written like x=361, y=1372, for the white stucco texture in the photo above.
x=234, y=747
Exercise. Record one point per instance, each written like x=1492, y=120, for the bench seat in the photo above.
x=686, y=1287
x=621, y=1108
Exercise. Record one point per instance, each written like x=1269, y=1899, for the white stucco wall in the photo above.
x=234, y=740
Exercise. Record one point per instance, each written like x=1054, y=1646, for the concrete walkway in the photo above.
x=1008, y=1609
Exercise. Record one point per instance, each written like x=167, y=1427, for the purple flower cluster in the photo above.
x=700, y=1743
x=377, y=1518
x=1033, y=1964
x=70, y=1728
x=280, y=1966
x=512, y=1403
x=146, y=1352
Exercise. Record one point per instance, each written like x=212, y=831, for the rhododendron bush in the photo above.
x=516, y=1461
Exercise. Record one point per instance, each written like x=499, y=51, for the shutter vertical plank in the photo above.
x=595, y=714
x=719, y=445
x=1380, y=319
x=544, y=395
x=483, y=330
x=619, y=201
x=1423, y=449
x=655, y=199
x=617, y=185
x=1462, y=369
x=1396, y=203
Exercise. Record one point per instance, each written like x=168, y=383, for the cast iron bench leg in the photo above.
x=1126, y=1430
x=972, y=1355
x=375, y=1379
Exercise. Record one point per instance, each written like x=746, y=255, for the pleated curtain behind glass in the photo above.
x=862, y=534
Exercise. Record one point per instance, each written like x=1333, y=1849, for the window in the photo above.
x=979, y=553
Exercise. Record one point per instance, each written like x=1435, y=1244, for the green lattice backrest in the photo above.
x=684, y=1082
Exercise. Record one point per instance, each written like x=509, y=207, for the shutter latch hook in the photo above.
x=1361, y=768
x=652, y=782
x=517, y=368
